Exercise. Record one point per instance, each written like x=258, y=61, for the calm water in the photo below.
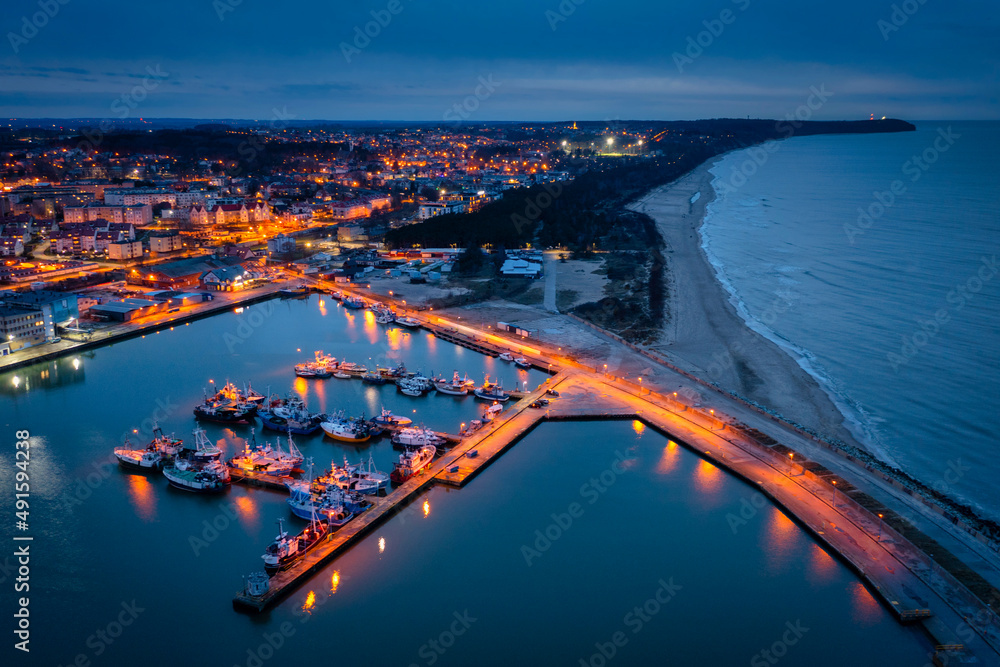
x=896, y=313
x=650, y=520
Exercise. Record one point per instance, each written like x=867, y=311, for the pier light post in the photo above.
x=834, y=482
x=879, y=528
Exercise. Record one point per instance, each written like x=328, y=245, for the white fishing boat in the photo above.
x=148, y=459
x=416, y=437
x=507, y=356
x=408, y=322
x=456, y=387
x=386, y=418
x=204, y=450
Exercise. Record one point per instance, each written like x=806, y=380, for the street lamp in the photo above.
x=879, y=528
x=834, y=482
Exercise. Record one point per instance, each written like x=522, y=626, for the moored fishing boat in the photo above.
x=147, y=459
x=456, y=387
x=362, y=478
x=225, y=410
x=290, y=416
x=506, y=356
x=408, y=322
x=374, y=378
x=230, y=392
x=386, y=418
x=204, y=450
x=286, y=549
x=409, y=387
x=354, y=302
x=328, y=504
x=416, y=437
x=267, y=459
x=212, y=477
x=345, y=429
x=167, y=445
x=411, y=462
x=492, y=392
x=351, y=369
x=521, y=362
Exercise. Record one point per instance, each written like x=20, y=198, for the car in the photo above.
x=535, y=404
x=552, y=392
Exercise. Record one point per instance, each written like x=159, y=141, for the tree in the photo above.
x=471, y=260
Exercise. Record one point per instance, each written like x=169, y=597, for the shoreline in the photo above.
x=705, y=334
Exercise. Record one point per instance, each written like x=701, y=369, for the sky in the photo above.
x=543, y=60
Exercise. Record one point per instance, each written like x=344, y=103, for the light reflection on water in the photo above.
x=668, y=459
x=142, y=495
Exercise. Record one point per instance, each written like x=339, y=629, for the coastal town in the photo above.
x=500, y=241
x=91, y=236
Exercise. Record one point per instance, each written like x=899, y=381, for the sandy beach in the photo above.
x=704, y=334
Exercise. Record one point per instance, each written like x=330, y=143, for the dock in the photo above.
x=283, y=583
x=463, y=341
x=909, y=584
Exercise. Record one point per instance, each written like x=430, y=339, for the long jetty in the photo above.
x=907, y=581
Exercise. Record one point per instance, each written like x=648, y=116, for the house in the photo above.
x=433, y=209
x=227, y=279
x=166, y=242
x=124, y=250
x=11, y=246
x=230, y=214
x=280, y=245
x=521, y=267
x=103, y=239
x=348, y=210
x=135, y=214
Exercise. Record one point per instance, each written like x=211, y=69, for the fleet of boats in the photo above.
x=268, y=459
x=334, y=498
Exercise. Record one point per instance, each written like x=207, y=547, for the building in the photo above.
x=434, y=209
x=11, y=246
x=280, y=245
x=166, y=242
x=222, y=214
x=57, y=308
x=227, y=279
x=177, y=275
x=150, y=196
x=124, y=250
x=135, y=214
x=21, y=328
x=521, y=267
x=349, y=233
x=349, y=210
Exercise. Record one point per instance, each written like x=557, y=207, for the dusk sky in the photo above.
x=595, y=60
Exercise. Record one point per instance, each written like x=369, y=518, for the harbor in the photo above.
x=890, y=565
x=584, y=393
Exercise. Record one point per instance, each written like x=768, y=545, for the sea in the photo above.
x=592, y=543
x=871, y=259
